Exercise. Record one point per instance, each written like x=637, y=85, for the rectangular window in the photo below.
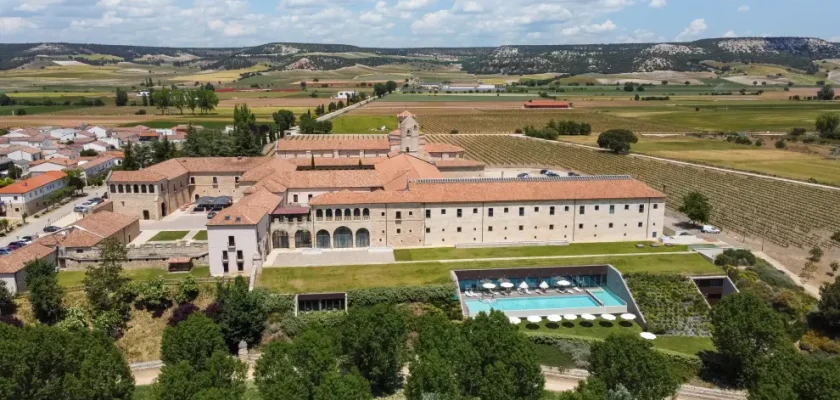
x=443, y=211
x=551, y=211
x=475, y=211
x=295, y=198
x=566, y=208
x=521, y=228
x=506, y=210
x=489, y=229
x=428, y=230
x=428, y=213
x=459, y=213
x=612, y=209
x=489, y=212
x=399, y=214
x=309, y=197
x=231, y=241
x=459, y=229
x=641, y=208
x=626, y=206
x=238, y=254
x=656, y=206
x=611, y=224
x=640, y=224
x=521, y=211
x=597, y=208
x=551, y=227
x=582, y=210
x=192, y=180
x=399, y=231
x=654, y=234
x=580, y=226
x=236, y=179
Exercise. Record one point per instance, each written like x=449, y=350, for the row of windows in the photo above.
x=522, y=227
x=551, y=210
x=120, y=188
x=215, y=180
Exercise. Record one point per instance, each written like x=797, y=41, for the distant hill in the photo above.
x=514, y=59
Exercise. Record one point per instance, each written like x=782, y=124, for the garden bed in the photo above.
x=671, y=304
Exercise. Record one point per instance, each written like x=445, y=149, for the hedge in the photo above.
x=431, y=294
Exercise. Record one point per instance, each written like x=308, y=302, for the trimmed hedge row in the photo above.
x=432, y=294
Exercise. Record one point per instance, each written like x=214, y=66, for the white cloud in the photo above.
x=36, y=5
x=232, y=28
x=15, y=24
x=108, y=18
x=413, y=4
x=470, y=6
x=594, y=28
x=730, y=34
x=695, y=28
x=639, y=36
x=658, y=3
x=432, y=23
x=744, y=8
x=371, y=18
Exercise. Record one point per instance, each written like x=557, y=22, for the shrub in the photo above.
x=781, y=144
x=813, y=342
x=74, y=319
x=153, y=294
x=771, y=276
x=109, y=322
x=735, y=257
x=181, y=313
x=141, y=111
x=187, y=290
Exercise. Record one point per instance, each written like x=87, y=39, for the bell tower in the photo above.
x=409, y=133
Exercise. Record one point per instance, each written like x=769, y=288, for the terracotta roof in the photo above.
x=27, y=139
x=248, y=211
x=73, y=237
x=101, y=143
x=333, y=144
x=335, y=179
x=335, y=161
x=64, y=162
x=16, y=261
x=405, y=113
x=150, y=134
x=33, y=183
x=499, y=190
x=220, y=164
x=115, y=153
x=105, y=223
x=442, y=148
x=272, y=166
x=457, y=162
x=143, y=175
x=418, y=168
x=96, y=161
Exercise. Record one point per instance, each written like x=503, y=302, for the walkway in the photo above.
x=61, y=216
x=329, y=257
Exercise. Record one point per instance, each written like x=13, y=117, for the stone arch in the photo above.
x=303, y=239
x=343, y=238
x=322, y=239
x=280, y=240
x=362, y=238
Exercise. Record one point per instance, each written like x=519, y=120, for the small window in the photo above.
x=582, y=210
x=611, y=224
x=551, y=227
x=475, y=211
x=231, y=241
x=597, y=208
x=236, y=179
x=399, y=215
x=459, y=229
x=626, y=206
x=428, y=213
x=399, y=231
x=443, y=211
x=489, y=229
x=641, y=208
x=428, y=230
x=580, y=226
x=309, y=197
x=612, y=209
x=536, y=209
x=640, y=224
x=410, y=213
x=489, y=212
x=383, y=213
x=551, y=210
x=506, y=210
x=192, y=180
x=521, y=211
x=294, y=198
x=656, y=207
x=215, y=180
x=459, y=213
x=654, y=234
x=566, y=208
x=521, y=228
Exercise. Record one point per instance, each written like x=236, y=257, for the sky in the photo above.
x=407, y=23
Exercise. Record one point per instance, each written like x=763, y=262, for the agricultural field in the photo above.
x=507, y=121
x=364, y=124
x=781, y=212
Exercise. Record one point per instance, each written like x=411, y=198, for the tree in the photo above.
x=336, y=386
x=589, y=389
x=816, y=254
x=390, y=86
x=303, y=86
x=130, y=162
x=178, y=99
x=276, y=376
x=105, y=283
x=44, y=362
x=240, y=313
x=145, y=100
x=825, y=93
x=829, y=304
x=153, y=295
x=374, y=341
x=735, y=258
x=222, y=377
x=162, y=150
x=827, y=125
x=88, y=153
x=746, y=331
x=45, y=295
x=808, y=271
x=633, y=363
x=207, y=100
x=191, y=98
x=75, y=180
x=617, y=140
x=781, y=144
x=696, y=207
x=193, y=340
x=7, y=300
x=432, y=375
x=187, y=290
x=122, y=98
x=163, y=99
x=380, y=89
x=284, y=119
x=834, y=267
x=314, y=355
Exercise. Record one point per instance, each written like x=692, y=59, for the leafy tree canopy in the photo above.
x=633, y=363
x=617, y=140
x=696, y=207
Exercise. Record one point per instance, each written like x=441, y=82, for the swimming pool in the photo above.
x=583, y=303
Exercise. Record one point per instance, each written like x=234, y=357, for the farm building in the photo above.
x=547, y=104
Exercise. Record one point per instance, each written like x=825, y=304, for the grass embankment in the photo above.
x=168, y=236
x=364, y=124
x=201, y=235
x=76, y=278
x=341, y=278
x=451, y=253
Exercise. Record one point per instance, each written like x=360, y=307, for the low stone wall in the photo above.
x=143, y=256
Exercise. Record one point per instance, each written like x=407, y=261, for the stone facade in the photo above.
x=215, y=185
x=150, y=200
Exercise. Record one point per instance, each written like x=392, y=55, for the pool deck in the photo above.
x=543, y=312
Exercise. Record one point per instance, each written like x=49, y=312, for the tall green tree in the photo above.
x=7, y=300
x=632, y=362
x=222, y=377
x=45, y=363
x=284, y=119
x=75, y=180
x=276, y=375
x=179, y=100
x=240, y=313
x=827, y=125
x=105, y=283
x=193, y=340
x=696, y=207
x=207, y=100
x=390, y=86
x=244, y=124
x=374, y=341
x=829, y=304
x=380, y=89
x=163, y=99
x=826, y=93
x=129, y=159
x=45, y=294
x=314, y=355
x=191, y=99
x=162, y=150
x=337, y=386
x=617, y=140
x=746, y=331
x=122, y=97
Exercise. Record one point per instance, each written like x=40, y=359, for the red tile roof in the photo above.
x=332, y=144
x=28, y=185
x=442, y=148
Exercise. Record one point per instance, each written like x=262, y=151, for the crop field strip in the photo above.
x=506, y=121
x=781, y=212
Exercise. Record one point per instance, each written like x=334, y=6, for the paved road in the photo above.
x=36, y=225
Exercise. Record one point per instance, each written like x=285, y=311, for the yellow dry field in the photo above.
x=25, y=95
x=219, y=76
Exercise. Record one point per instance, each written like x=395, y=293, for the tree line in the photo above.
x=557, y=128
x=203, y=99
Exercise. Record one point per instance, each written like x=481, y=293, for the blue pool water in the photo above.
x=582, y=300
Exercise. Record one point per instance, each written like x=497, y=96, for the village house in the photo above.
x=30, y=195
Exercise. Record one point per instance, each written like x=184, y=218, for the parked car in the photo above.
x=95, y=201
x=709, y=229
x=16, y=245
x=27, y=239
x=82, y=208
x=211, y=214
x=543, y=171
x=4, y=251
x=522, y=175
x=573, y=174
x=551, y=173
x=51, y=229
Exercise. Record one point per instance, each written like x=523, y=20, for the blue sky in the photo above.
x=407, y=23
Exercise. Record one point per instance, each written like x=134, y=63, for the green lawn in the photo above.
x=76, y=278
x=201, y=235
x=168, y=236
x=341, y=278
x=451, y=253
x=364, y=124
x=600, y=329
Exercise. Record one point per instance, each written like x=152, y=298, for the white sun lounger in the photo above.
x=577, y=289
x=527, y=291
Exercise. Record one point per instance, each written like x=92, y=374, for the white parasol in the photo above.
x=628, y=316
x=570, y=317
x=544, y=285
x=489, y=285
x=608, y=317
x=647, y=335
x=523, y=285
x=535, y=319
x=506, y=285
x=515, y=321
x=588, y=317
x=554, y=318
x=563, y=283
